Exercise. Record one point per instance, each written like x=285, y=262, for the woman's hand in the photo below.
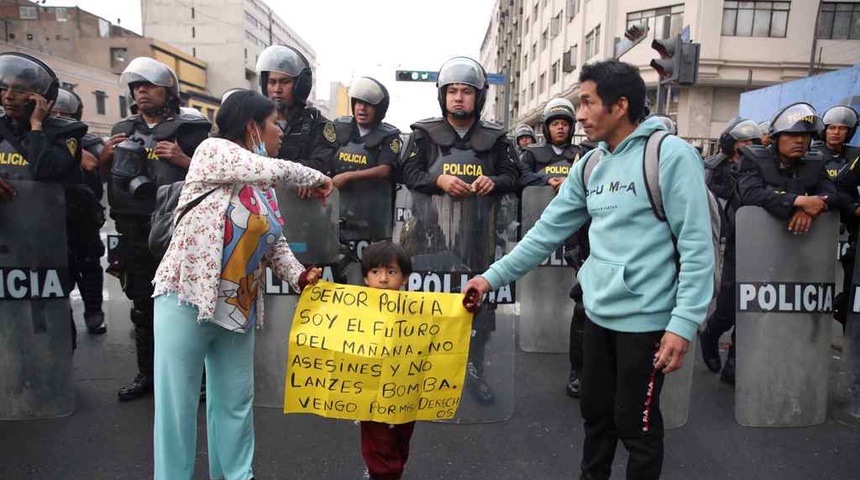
x=314, y=275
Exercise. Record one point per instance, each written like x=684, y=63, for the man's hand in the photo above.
x=555, y=183
x=800, y=222
x=670, y=356
x=106, y=157
x=42, y=107
x=812, y=205
x=171, y=152
x=6, y=191
x=453, y=186
x=483, y=185
x=341, y=179
x=473, y=291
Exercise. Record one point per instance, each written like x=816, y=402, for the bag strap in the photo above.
x=590, y=163
x=10, y=137
x=193, y=204
x=651, y=172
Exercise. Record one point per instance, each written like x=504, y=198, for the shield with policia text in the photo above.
x=451, y=240
x=35, y=328
x=847, y=401
x=311, y=229
x=784, y=302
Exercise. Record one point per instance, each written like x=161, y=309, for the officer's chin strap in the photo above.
x=458, y=115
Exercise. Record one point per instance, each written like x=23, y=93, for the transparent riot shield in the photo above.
x=35, y=328
x=675, y=396
x=365, y=216
x=312, y=231
x=402, y=210
x=847, y=395
x=784, y=300
x=450, y=240
x=544, y=293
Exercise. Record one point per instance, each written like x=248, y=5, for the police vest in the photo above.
x=466, y=159
x=800, y=179
x=59, y=131
x=837, y=163
x=161, y=172
x=551, y=164
x=298, y=138
x=354, y=153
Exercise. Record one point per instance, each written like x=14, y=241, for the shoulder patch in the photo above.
x=396, y=145
x=72, y=145
x=329, y=133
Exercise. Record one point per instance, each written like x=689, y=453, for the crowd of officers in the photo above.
x=776, y=166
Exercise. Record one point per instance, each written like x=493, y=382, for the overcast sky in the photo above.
x=364, y=37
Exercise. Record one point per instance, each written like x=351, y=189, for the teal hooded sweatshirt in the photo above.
x=631, y=280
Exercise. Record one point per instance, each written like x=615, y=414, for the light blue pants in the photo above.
x=182, y=346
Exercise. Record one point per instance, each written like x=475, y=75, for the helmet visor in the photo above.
x=24, y=75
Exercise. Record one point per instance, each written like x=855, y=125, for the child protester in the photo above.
x=385, y=447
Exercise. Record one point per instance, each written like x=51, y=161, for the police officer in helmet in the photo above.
x=786, y=178
x=524, y=136
x=85, y=218
x=462, y=156
x=721, y=176
x=150, y=148
x=764, y=127
x=286, y=78
x=549, y=163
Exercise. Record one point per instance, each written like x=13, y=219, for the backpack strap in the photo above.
x=651, y=172
x=590, y=163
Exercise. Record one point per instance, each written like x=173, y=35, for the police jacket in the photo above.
x=52, y=154
x=435, y=148
x=309, y=138
x=842, y=170
x=381, y=146
x=766, y=183
x=188, y=131
x=540, y=163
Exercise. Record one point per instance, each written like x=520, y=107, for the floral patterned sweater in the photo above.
x=191, y=267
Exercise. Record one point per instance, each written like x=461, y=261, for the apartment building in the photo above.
x=744, y=45
x=228, y=35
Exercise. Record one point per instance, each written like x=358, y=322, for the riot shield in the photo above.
x=312, y=231
x=675, y=396
x=544, y=293
x=450, y=240
x=785, y=293
x=365, y=216
x=402, y=212
x=847, y=401
x=35, y=332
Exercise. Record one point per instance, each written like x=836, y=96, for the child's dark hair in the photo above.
x=382, y=254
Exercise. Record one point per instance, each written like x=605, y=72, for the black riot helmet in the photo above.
x=29, y=74
x=558, y=108
x=524, y=131
x=370, y=91
x=798, y=117
x=666, y=121
x=69, y=104
x=150, y=70
x=841, y=115
x=291, y=62
x=468, y=72
x=738, y=129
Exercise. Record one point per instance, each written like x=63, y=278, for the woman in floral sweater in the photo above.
x=208, y=288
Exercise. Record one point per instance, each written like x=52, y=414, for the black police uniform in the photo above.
x=132, y=216
x=540, y=163
x=309, y=138
x=365, y=206
x=435, y=148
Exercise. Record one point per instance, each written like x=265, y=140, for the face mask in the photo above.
x=260, y=147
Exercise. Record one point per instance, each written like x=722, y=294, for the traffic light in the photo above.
x=678, y=62
x=416, y=76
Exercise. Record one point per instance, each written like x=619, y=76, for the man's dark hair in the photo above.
x=382, y=254
x=614, y=80
x=237, y=110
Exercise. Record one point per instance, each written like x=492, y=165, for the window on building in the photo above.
x=839, y=21
x=525, y=59
x=524, y=97
x=568, y=63
x=534, y=51
x=597, y=40
x=664, y=22
x=28, y=13
x=555, y=26
x=535, y=11
x=755, y=19
x=62, y=14
x=193, y=32
x=542, y=82
x=592, y=43
x=572, y=8
x=101, y=102
x=543, y=39
x=118, y=57
x=194, y=52
x=123, y=106
x=192, y=13
x=526, y=26
x=532, y=91
x=553, y=73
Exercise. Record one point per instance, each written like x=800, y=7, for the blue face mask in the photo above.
x=260, y=148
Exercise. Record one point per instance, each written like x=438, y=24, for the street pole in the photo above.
x=661, y=97
x=507, y=98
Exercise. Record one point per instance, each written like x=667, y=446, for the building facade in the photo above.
x=228, y=35
x=744, y=46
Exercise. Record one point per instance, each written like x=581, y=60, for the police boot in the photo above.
x=477, y=386
x=728, y=373
x=574, y=387
x=95, y=322
x=143, y=339
x=709, y=341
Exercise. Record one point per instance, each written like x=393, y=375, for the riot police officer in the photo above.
x=721, y=176
x=786, y=178
x=524, y=136
x=85, y=218
x=461, y=156
x=764, y=127
x=368, y=149
x=152, y=147
x=286, y=78
x=548, y=164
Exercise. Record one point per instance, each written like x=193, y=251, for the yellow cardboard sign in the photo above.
x=388, y=356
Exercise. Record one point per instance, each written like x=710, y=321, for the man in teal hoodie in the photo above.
x=647, y=283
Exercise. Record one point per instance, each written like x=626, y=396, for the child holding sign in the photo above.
x=385, y=447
